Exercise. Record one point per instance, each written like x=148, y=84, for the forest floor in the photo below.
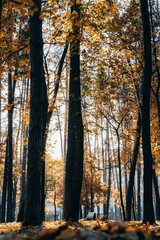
x=82, y=230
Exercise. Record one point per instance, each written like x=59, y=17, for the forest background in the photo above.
x=90, y=73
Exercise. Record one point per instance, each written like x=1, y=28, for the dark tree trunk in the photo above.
x=91, y=198
x=11, y=89
x=38, y=111
x=109, y=187
x=132, y=169
x=120, y=176
x=74, y=158
x=20, y=217
x=147, y=153
x=139, y=190
x=14, y=200
x=156, y=188
x=156, y=93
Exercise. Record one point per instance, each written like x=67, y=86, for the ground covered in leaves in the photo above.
x=82, y=230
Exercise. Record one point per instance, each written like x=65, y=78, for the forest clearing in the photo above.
x=80, y=119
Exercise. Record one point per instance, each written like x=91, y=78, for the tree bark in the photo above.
x=10, y=151
x=147, y=153
x=156, y=188
x=120, y=176
x=20, y=217
x=139, y=191
x=74, y=158
x=132, y=169
x=38, y=112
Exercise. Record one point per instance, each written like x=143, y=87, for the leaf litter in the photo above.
x=82, y=230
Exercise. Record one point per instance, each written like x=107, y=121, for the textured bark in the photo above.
x=109, y=188
x=132, y=170
x=74, y=158
x=11, y=91
x=38, y=111
x=20, y=217
x=10, y=151
x=139, y=190
x=147, y=153
x=156, y=188
x=155, y=57
x=120, y=176
x=109, y=173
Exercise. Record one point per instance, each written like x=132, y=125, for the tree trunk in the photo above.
x=156, y=92
x=109, y=172
x=156, y=188
x=139, y=190
x=14, y=200
x=11, y=89
x=109, y=188
x=147, y=153
x=20, y=217
x=38, y=112
x=132, y=169
x=74, y=158
x=120, y=176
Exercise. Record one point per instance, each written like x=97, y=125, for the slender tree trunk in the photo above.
x=74, y=159
x=156, y=93
x=139, y=190
x=60, y=134
x=14, y=199
x=120, y=177
x=156, y=188
x=134, y=205
x=132, y=169
x=109, y=188
x=20, y=217
x=147, y=153
x=11, y=89
x=109, y=172
x=91, y=198
x=55, y=207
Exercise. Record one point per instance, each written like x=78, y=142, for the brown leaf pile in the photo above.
x=82, y=230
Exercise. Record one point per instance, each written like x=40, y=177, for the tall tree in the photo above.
x=11, y=89
x=129, y=196
x=147, y=153
x=38, y=113
x=74, y=158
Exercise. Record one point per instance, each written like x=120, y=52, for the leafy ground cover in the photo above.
x=83, y=230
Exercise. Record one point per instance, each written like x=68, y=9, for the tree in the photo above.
x=129, y=196
x=147, y=153
x=74, y=158
x=38, y=112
